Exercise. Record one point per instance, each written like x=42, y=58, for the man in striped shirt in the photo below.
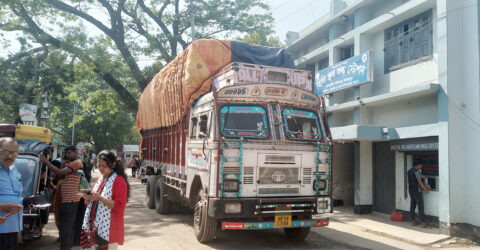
x=71, y=171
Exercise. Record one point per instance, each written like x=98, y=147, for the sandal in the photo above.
x=425, y=225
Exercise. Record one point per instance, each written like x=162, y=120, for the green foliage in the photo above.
x=101, y=120
x=261, y=39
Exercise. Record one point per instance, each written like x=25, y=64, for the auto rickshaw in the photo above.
x=34, y=181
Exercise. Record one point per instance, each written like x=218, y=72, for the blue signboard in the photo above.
x=354, y=71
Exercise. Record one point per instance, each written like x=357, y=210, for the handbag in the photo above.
x=83, y=181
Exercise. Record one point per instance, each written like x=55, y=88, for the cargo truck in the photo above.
x=246, y=144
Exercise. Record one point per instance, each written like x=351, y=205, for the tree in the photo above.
x=158, y=29
x=101, y=120
x=24, y=79
x=261, y=39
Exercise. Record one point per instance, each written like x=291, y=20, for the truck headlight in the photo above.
x=230, y=185
x=322, y=184
x=322, y=205
x=233, y=208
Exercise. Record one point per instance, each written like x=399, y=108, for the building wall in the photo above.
x=424, y=72
x=343, y=170
x=453, y=113
x=463, y=110
x=364, y=174
x=416, y=111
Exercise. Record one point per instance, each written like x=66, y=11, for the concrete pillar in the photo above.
x=314, y=75
x=336, y=6
x=360, y=17
x=356, y=110
x=363, y=172
x=335, y=30
x=443, y=152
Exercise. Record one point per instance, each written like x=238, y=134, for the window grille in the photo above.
x=409, y=42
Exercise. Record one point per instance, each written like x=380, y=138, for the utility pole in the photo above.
x=192, y=20
x=44, y=115
x=74, y=113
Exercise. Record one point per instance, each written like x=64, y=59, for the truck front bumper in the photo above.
x=271, y=224
x=255, y=208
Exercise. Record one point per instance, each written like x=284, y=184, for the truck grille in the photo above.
x=306, y=176
x=278, y=191
x=278, y=176
x=248, y=175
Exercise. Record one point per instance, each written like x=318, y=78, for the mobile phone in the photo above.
x=86, y=191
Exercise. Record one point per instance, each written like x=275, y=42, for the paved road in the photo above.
x=145, y=229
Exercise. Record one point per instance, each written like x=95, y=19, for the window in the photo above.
x=301, y=124
x=193, y=131
x=346, y=52
x=408, y=42
x=203, y=126
x=27, y=168
x=244, y=121
x=430, y=169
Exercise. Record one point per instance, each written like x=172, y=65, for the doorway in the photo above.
x=383, y=178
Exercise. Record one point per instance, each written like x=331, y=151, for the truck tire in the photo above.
x=150, y=192
x=162, y=204
x=204, y=225
x=296, y=234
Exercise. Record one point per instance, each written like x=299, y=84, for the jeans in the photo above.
x=79, y=221
x=416, y=198
x=68, y=213
x=8, y=241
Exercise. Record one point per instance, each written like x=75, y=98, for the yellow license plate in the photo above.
x=283, y=221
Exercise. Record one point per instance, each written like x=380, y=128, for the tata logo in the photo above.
x=278, y=177
x=275, y=91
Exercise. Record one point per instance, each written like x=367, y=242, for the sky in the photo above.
x=295, y=15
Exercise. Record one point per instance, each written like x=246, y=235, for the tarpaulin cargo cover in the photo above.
x=167, y=97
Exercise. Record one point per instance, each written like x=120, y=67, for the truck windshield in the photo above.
x=243, y=121
x=301, y=124
x=27, y=170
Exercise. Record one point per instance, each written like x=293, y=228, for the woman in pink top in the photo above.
x=103, y=224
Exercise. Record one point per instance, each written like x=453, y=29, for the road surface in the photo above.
x=145, y=229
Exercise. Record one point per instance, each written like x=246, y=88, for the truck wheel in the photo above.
x=162, y=204
x=205, y=226
x=297, y=234
x=152, y=180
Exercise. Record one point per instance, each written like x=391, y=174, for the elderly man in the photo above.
x=10, y=195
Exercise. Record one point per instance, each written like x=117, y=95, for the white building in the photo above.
x=423, y=101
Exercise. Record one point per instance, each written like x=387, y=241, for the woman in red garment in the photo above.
x=103, y=226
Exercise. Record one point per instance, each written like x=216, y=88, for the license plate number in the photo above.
x=282, y=221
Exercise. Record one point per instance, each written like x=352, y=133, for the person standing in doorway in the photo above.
x=11, y=221
x=416, y=198
x=69, y=193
